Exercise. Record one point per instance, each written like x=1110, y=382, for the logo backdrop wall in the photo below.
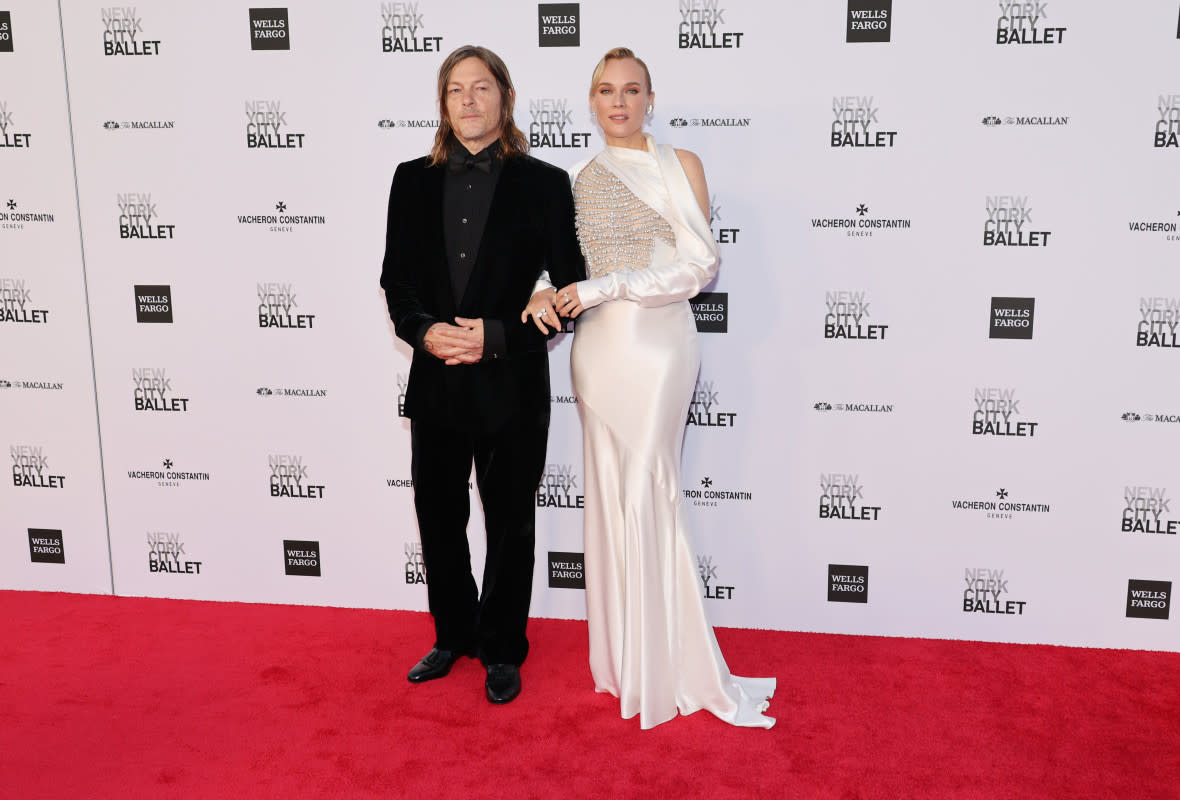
x=191, y=250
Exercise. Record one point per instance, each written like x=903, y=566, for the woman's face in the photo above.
x=620, y=99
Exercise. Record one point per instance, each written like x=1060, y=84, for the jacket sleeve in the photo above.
x=563, y=262
x=400, y=269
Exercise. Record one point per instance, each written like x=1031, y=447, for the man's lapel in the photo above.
x=432, y=205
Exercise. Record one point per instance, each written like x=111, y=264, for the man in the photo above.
x=470, y=228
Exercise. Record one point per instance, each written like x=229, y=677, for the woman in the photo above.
x=642, y=220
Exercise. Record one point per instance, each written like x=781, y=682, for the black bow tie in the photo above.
x=481, y=161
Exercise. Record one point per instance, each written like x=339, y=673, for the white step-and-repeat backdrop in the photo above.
x=940, y=393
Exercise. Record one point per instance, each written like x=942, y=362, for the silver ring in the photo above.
x=565, y=297
x=544, y=312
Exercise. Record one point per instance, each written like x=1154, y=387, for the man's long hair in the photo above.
x=512, y=140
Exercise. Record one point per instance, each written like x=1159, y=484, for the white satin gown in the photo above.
x=635, y=358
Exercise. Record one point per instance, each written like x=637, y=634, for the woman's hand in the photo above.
x=568, y=302
x=542, y=311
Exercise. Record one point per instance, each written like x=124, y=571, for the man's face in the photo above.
x=473, y=104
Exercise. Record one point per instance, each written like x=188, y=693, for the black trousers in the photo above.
x=508, y=467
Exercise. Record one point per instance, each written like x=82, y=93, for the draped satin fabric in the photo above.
x=635, y=358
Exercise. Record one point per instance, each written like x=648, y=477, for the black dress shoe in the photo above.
x=435, y=664
x=503, y=683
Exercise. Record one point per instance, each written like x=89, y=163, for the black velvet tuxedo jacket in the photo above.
x=530, y=228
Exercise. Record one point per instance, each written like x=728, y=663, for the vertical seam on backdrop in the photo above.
x=102, y=475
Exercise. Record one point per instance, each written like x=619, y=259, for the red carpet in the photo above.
x=105, y=697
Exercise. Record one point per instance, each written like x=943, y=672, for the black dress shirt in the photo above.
x=468, y=187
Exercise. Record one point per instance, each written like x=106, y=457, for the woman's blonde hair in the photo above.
x=615, y=54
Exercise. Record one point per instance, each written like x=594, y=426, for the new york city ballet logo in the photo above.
x=567, y=570
x=415, y=567
x=278, y=308
x=10, y=136
x=30, y=468
x=996, y=410
x=46, y=546
x=267, y=127
x=847, y=317
x=1165, y=229
x=139, y=217
x=5, y=31
x=869, y=20
x=403, y=382
x=1001, y=506
x=1011, y=318
x=713, y=590
x=987, y=593
x=860, y=223
x=559, y=488
x=1027, y=23
x=15, y=218
x=153, y=303
x=1148, y=509
x=301, y=557
x=723, y=232
x=17, y=306
x=269, y=29
x=1158, y=321
x=290, y=478
x=166, y=555
x=169, y=475
x=857, y=123
x=842, y=496
x=403, y=30
x=123, y=33
x=1149, y=599
x=1009, y=223
x=154, y=391
x=703, y=26
x=553, y=125
x=1167, y=127
x=848, y=583
x=706, y=409
x=559, y=25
